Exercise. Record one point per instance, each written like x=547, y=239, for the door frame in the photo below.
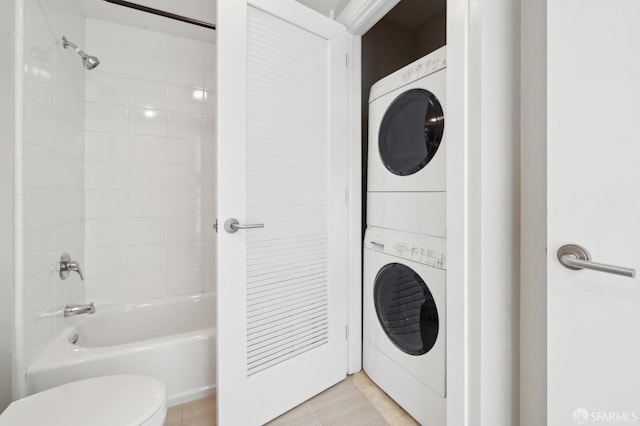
x=533, y=255
x=483, y=213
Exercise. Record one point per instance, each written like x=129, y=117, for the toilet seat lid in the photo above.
x=107, y=400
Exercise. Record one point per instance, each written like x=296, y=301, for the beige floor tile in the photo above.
x=199, y=413
x=388, y=408
x=356, y=401
x=354, y=413
x=343, y=391
x=174, y=416
x=302, y=415
x=344, y=404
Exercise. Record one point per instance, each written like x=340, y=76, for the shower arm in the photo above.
x=66, y=44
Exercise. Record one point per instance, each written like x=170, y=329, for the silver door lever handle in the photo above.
x=575, y=257
x=232, y=225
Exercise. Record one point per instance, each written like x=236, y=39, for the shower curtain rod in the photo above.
x=162, y=13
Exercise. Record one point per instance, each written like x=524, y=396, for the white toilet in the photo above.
x=123, y=400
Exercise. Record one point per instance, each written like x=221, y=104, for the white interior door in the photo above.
x=282, y=152
x=593, y=201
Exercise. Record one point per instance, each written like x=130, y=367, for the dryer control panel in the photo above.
x=423, y=249
x=429, y=64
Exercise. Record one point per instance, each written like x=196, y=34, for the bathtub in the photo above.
x=171, y=339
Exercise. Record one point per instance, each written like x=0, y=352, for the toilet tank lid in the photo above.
x=107, y=400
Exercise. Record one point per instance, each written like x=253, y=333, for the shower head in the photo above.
x=88, y=61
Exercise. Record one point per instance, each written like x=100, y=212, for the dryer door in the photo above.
x=411, y=132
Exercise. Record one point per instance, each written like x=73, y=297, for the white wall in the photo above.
x=149, y=172
x=50, y=171
x=6, y=199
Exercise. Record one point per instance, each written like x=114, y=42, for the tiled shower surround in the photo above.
x=49, y=172
x=149, y=164
x=113, y=165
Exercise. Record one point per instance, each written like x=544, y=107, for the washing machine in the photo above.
x=404, y=335
x=406, y=173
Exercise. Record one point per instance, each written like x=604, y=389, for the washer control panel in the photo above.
x=423, y=249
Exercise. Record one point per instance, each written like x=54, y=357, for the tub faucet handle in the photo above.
x=67, y=265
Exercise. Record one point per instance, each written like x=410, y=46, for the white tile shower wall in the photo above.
x=52, y=165
x=7, y=117
x=149, y=169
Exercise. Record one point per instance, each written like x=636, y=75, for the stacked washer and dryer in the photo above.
x=404, y=277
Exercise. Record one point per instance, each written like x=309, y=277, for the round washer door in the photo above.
x=406, y=309
x=411, y=132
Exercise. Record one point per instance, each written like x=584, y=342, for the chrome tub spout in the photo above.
x=71, y=310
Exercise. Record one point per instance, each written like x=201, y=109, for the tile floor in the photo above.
x=354, y=401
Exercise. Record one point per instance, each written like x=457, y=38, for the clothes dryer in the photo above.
x=406, y=174
x=404, y=337
x=407, y=135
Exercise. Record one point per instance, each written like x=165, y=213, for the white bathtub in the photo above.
x=172, y=339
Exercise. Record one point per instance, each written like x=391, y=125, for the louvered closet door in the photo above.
x=282, y=149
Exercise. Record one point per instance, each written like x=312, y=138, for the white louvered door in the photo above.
x=282, y=151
